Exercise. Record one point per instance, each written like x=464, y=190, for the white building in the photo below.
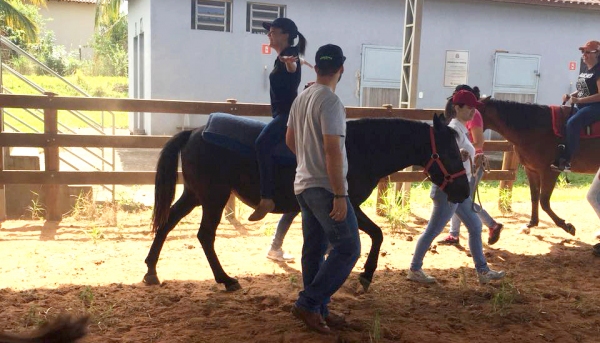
x=73, y=24
x=212, y=50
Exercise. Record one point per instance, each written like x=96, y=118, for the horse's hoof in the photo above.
x=532, y=224
x=364, y=282
x=570, y=229
x=232, y=287
x=596, y=250
x=525, y=230
x=151, y=280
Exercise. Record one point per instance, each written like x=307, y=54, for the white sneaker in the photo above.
x=490, y=275
x=419, y=276
x=279, y=255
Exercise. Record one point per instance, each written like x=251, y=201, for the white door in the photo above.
x=380, y=74
x=516, y=77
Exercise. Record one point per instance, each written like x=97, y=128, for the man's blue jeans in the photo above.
x=323, y=277
x=586, y=115
x=441, y=214
x=485, y=217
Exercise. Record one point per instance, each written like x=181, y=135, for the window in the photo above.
x=259, y=13
x=211, y=15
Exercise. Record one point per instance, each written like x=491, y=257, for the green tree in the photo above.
x=18, y=21
x=110, y=39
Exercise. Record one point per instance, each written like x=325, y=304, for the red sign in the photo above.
x=572, y=65
x=266, y=49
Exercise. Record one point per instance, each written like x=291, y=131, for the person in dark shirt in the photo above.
x=587, y=104
x=284, y=81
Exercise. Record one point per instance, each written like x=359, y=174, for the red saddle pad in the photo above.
x=559, y=118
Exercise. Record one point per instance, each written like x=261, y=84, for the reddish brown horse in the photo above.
x=529, y=128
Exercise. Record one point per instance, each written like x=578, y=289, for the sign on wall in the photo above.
x=573, y=65
x=456, y=70
x=266, y=49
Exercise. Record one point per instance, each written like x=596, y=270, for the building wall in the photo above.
x=72, y=23
x=140, y=21
x=482, y=28
x=188, y=64
x=214, y=66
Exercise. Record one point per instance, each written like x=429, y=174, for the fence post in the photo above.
x=52, y=163
x=510, y=161
x=2, y=188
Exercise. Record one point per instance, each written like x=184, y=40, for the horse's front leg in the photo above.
x=548, y=182
x=534, y=189
x=374, y=231
x=211, y=216
x=180, y=209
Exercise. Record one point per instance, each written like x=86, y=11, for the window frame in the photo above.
x=277, y=9
x=225, y=18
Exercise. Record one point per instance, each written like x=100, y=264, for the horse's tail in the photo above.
x=166, y=178
x=63, y=329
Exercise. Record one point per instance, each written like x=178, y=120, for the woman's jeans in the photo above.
x=282, y=228
x=485, y=217
x=441, y=214
x=323, y=277
x=586, y=115
x=271, y=136
x=593, y=195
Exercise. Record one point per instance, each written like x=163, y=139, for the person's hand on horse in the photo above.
x=464, y=155
x=566, y=97
x=288, y=59
x=340, y=209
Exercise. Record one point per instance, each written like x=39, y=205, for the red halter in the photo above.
x=435, y=157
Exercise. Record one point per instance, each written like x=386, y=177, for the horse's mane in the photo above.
x=521, y=116
x=383, y=130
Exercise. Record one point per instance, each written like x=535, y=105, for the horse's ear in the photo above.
x=486, y=99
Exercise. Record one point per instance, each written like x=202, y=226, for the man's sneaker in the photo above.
x=419, y=276
x=450, y=240
x=490, y=275
x=495, y=233
x=279, y=255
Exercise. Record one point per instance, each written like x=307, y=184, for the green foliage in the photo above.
x=36, y=209
x=396, y=209
x=504, y=297
x=54, y=56
x=19, y=21
x=110, y=49
x=375, y=333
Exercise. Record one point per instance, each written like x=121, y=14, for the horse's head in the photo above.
x=445, y=167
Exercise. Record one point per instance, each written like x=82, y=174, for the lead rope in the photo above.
x=486, y=169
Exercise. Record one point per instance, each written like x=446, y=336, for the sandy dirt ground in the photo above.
x=550, y=294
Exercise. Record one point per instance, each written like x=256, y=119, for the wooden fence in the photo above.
x=51, y=140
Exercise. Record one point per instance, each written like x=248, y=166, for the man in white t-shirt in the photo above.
x=316, y=134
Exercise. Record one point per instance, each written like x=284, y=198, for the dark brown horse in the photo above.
x=63, y=329
x=529, y=128
x=375, y=148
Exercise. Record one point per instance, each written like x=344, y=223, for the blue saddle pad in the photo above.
x=239, y=134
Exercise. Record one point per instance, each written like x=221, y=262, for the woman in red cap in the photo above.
x=587, y=104
x=284, y=81
x=464, y=103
